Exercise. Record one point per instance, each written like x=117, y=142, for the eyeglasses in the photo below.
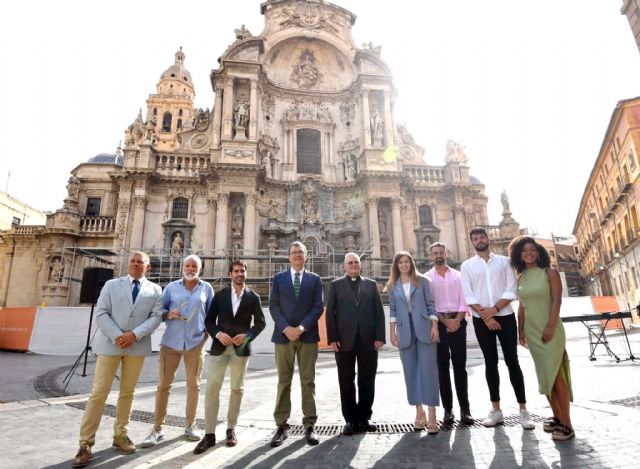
x=352, y=262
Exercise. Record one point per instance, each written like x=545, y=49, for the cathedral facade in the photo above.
x=301, y=143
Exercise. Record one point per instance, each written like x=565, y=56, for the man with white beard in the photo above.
x=185, y=303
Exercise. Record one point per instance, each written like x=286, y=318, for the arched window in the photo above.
x=308, y=151
x=426, y=215
x=180, y=208
x=166, y=122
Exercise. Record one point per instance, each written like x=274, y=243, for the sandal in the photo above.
x=432, y=429
x=418, y=425
x=563, y=433
x=550, y=424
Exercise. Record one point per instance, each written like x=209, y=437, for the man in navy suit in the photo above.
x=295, y=305
x=229, y=324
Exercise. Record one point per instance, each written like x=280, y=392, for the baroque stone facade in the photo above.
x=301, y=143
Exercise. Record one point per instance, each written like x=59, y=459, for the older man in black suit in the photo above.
x=355, y=330
x=229, y=324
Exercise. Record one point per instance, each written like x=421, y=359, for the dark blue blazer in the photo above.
x=287, y=310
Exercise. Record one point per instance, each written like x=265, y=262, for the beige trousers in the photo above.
x=217, y=365
x=106, y=367
x=169, y=362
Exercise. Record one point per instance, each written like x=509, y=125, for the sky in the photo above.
x=527, y=87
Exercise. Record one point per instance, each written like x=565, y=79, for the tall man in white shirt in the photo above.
x=489, y=286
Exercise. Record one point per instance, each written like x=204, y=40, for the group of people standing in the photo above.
x=427, y=323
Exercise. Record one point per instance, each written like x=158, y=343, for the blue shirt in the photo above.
x=187, y=333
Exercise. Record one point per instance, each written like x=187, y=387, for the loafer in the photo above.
x=208, y=441
x=279, y=437
x=449, y=417
x=231, y=437
x=152, y=439
x=311, y=436
x=466, y=418
x=123, y=443
x=193, y=434
x=349, y=429
x=367, y=426
x=82, y=457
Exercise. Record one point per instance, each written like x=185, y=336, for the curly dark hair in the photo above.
x=515, y=253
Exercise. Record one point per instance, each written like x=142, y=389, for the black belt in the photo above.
x=449, y=315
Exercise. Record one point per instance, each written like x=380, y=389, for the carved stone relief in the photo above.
x=305, y=73
x=309, y=16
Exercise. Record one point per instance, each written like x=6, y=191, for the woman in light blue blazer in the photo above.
x=413, y=329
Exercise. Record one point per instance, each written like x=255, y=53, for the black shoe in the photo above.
x=279, y=437
x=449, y=417
x=367, y=426
x=349, y=429
x=311, y=436
x=208, y=440
x=465, y=417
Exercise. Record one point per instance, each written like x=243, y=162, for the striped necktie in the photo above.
x=296, y=284
x=135, y=290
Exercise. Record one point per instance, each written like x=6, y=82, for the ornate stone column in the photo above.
x=388, y=120
x=374, y=230
x=253, y=111
x=460, y=231
x=396, y=220
x=366, y=124
x=227, y=109
x=250, y=224
x=222, y=217
x=137, y=229
x=217, y=117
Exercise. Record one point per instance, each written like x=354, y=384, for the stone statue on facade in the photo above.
x=177, y=245
x=150, y=132
x=350, y=167
x=241, y=115
x=56, y=270
x=504, y=199
x=237, y=221
x=427, y=242
x=73, y=184
x=377, y=126
x=201, y=121
x=370, y=47
x=309, y=205
x=455, y=153
x=242, y=33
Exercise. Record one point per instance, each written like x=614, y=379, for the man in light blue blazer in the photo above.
x=128, y=310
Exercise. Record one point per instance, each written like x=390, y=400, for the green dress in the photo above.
x=535, y=294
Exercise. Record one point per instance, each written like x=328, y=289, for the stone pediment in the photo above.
x=309, y=65
x=370, y=63
x=248, y=50
x=192, y=141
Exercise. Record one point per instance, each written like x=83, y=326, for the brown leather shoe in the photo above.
x=124, y=444
x=231, y=437
x=83, y=457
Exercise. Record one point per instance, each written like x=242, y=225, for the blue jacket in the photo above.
x=422, y=310
x=287, y=310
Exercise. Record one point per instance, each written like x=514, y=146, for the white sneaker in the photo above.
x=193, y=434
x=494, y=418
x=525, y=420
x=152, y=439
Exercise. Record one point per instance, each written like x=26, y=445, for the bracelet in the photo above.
x=496, y=307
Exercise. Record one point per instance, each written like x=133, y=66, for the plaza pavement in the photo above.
x=38, y=432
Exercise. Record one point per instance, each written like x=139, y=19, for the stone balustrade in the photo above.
x=426, y=174
x=186, y=166
x=97, y=224
x=27, y=229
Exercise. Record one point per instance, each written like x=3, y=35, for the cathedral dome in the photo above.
x=106, y=158
x=177, y=71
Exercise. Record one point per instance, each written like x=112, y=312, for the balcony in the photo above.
x=29, y=230
x=97, y=225
x=429, y=174
x=181, y=166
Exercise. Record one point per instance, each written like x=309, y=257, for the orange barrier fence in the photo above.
x=16, y=326
x=603, y=304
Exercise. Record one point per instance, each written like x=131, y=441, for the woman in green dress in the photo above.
x=540, y=329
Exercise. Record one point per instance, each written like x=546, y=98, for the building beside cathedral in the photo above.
x=301, y=143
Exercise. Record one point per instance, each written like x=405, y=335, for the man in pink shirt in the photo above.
x=451, y=307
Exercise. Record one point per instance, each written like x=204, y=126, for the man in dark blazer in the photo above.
x=296, y=305
x=355, y=331
x=229, y=323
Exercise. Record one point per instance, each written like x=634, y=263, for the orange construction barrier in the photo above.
x=606, y=304
x=16, y=326
x=322, y=328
